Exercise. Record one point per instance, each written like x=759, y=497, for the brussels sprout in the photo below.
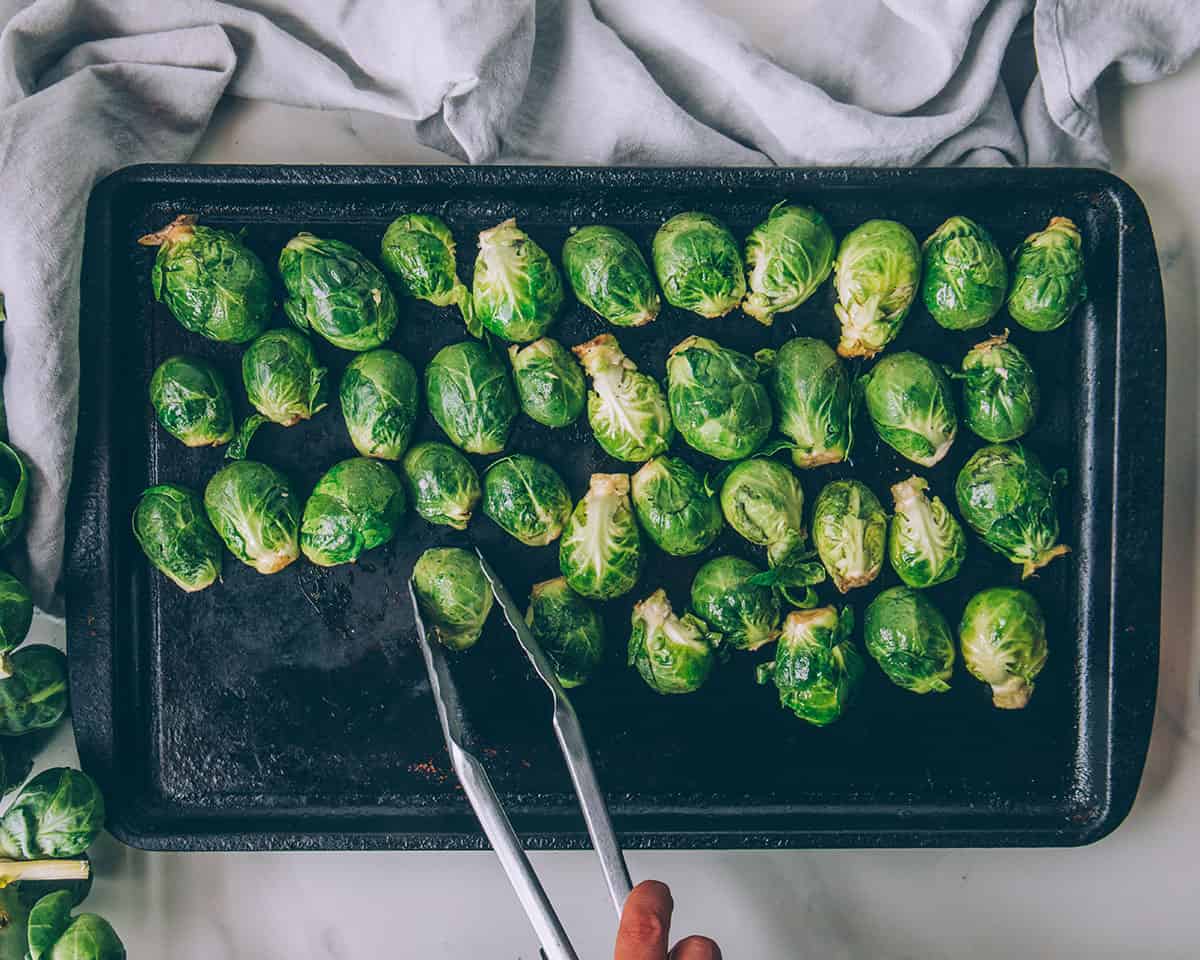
x=34, y=697
x=609, y=275
x=812, y=396
x=16, y=617
x=253, y=508
x=517, y=290
x=454, y=595
x=527, y=499
x=698, y=264
x=965, y=277
x=724, y=595
x=601, y=549
x=283, y=381
x=191, y=402
x=674, y=508
x=55, y=935
x=876, y=274
x=568, y=628
x=911, y=406
x=673, y=654
x=926, y=545
x=418, y=249
x=14, y=487
x=1048, y=280
x=626, y=409
x=850, y=533
x=1006, y=496
x=717, y=404
x=788, y=256
x=58, y=814
x=1003, y=638
x=910, y=640
x=357, y=505
x=212, y=283
x=1000, y=390
x=338, y=292
x=549, y=382
x=816, y=667
x=762, y=501
x=379, y=403
x=470, y=396
x=442, y=483
x=171, y=526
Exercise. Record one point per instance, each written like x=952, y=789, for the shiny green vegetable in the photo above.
x=745, y=614
x=418, y=250
x=850, y=533
x=254, y=509
x=469, y=394
x=174, y=531
x=674, y=508
x=762, y=500
x=816, y=667
x=442, y=483
x=926, y=544
x=378, y=394
x=549, y=382
x=910, y=640
x=34, y=697
x=717, y=404
x=212, y=283
x=527, y=499
x=57, y=814
x=1003, y=637
x=609, y=275
x=191, y=401
x=1000, y=390
x=673, y=654
x=698, y=264
x=454, y=595
x=876, y=275
x=357, y=505
x=56, y=935
x=284, y=382
x=16, y=617
x=788, y=256
x=965, y=276
x=601, y=549
x=626, y=409
x=14, y=488
x=518, y=290
x=1048, y=277
x=911, y=406
x=569, y=630
x=811, y=393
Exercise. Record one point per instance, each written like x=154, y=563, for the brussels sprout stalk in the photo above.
x=17, y=871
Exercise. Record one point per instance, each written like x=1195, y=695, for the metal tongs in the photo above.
x=482, y=796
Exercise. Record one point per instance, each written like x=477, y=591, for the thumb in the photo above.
x=645, y=923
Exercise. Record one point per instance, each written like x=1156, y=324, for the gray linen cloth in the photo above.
x=88, y=86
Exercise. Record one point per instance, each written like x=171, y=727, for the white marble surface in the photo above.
x=1133, y=893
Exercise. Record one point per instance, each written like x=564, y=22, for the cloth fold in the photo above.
x=89, y=86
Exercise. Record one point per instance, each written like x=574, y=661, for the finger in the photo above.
x=645, y=923
x=696, y=948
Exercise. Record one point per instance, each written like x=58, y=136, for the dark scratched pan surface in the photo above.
x=293, y=711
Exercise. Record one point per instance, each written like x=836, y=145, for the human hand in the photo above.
x=646, y=927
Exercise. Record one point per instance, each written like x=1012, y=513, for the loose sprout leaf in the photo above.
x=239, y=448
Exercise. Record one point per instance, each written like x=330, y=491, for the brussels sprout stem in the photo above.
x=179, y=227
x=1030, y=567
x=6, y=668
x=14, y=871
x=1012, y=694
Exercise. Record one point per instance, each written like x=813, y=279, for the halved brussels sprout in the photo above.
x=910, y=640
x=926, y=544
x=418, y=249
x=254, y=509
x=379, y=403
x=1003, y=638
x=527, y=499
x=212, y=283
x=283, y=381
x=442, y=483
x=812, y=396
x=55, y=935
x=57, y=814
x=16, y=617
x=191, y=402
x=173, y=530
x=965, y=277
x=338, y=292
x=724, y=595
x=673, y=654
x=609, y=275
x=34, y=697
x=1006, y=496
x=816, y=667
x=357, y=505
x=1048, y=277
x=762, y=501
x=1000, y=390
x=911, y=406
x=876, y=274
x=549, y=382
x=626, y=409
x=14, y=487
x=717, y=404
x=850, y=533
x=674, y=508
x=568, y=628
x=788, y=256
x=698, y=264
x=601, y=549
x=454, y=595
x=470, y=396
x=517, y=291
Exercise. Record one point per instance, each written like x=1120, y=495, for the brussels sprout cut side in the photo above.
x=763, y=501
x=337, y=292
x=965, y=277
x=926, y=544
x=253, y=508
x=14, y=488
x=674, y=508
x=609, y=276
x=816, y=667
x=58, y=814
x=850, y=533
x=698, y=264
x=517, y=290
x=788, y=256
x=811, y=392
x=910, y=640
x=626, y=409
x=527, y=499
x=717, y=404
x=743, y=613
x=569, y=630
x=673, y=654
x=911, y=406
x=191, y=402
x=357, y=505
x=283, y=381
x=1003, y=637
x=212, y=283
x=877, y=272
x=378, y=394
x=1048, y=277
x=442, y=483
x=418, y=250
x=601, y=549
x=34, y=697
x=549, y=382
x=174, y=531
x=454, y=595
x=470, y=396
x=1000, y=390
